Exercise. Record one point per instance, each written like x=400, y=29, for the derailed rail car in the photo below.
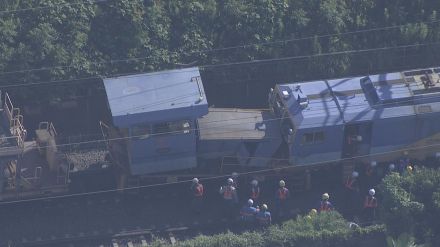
x=163, y=128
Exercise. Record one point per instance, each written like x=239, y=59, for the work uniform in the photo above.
x=264, y=218
x=370, y=205
x=248, y=213
x=198, y=191
x=229, y=194
x=354, y=203
x=370, y=177
x=324, y=206
x=255, y=193
x=282, y=196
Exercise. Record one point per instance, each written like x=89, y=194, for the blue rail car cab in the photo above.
x=405, y=110
x=390, y=114
x=157, y=114
x=311, y=121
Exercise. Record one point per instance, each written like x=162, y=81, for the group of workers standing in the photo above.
x=358, y=182
x=255, y=211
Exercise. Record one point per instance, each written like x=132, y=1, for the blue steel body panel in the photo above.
x=156, y=97
x=400, y=106
x=328, y=150
x=164, y=152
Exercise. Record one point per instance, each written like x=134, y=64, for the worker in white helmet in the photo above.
x=282, y=196
x=255, y=191
x=264, y=218
x=370, y=205
x=391, y=167
x=371, y=175
x=248, y=212
x=352, y=184
x=230, y=198
x=197, y=192
x=352, y=191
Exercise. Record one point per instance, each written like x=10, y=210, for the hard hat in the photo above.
x=250, y=202
x=195, y=180
x=264, y=206
x=325, y=196
x=373, y=163
x=391, y=167
x=313, y=211
x=371, y=192
x=354, y=174
x=230, y=181
x=254, y=182
x=234, y=174
x=282, y=183
x=308, y=217
x=409, y=168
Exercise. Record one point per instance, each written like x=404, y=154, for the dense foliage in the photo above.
x=89, y=38
x=411, y=204
x=323, y=230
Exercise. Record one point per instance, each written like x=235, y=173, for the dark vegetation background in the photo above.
x=106, y=38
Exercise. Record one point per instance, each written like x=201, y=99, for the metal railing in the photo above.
x=49, y=127
x=15, y=120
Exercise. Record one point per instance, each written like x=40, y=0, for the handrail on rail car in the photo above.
x=49, y=127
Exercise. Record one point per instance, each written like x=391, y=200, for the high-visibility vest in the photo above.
x=370, y=202
x=198, y=190
x=349, y=183
x=282, y=193
x=325, y=206
x=227, y=192
x=255, y=192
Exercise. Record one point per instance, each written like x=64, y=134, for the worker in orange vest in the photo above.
x=255, y=191
x=370, y=205
x=197, y=191
x=282, y=196
x=230, y=198
x=351, y=186
x=325, y=205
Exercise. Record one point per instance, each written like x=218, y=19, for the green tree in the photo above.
x=410, y=204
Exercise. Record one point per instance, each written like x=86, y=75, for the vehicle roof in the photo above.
x=156, y=97
x=238, y=124
x=345, y=100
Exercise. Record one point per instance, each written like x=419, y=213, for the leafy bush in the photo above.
x=411, y=204
x=323, y=230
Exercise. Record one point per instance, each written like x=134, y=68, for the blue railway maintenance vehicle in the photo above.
x=163, y=128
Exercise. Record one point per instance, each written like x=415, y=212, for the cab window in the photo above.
x=313, y=138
